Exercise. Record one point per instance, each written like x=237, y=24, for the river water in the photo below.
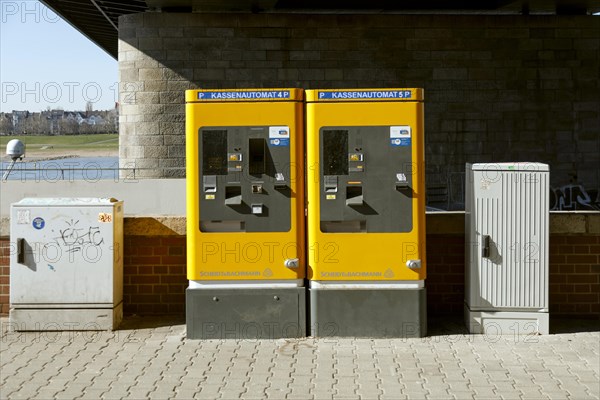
x=77, y=168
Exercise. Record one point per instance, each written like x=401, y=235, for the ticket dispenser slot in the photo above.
x=233, y=195
x=354, y=196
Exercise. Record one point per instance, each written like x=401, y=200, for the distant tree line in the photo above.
x=59, y=122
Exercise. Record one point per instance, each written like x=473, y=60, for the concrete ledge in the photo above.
x=141, y=197
x=154, y=226
x=450, y=222
x=561, y=222
x=575, y=222
x=438, y=223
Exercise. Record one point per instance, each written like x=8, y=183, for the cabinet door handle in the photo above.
x=21, y=250
x=485, y=246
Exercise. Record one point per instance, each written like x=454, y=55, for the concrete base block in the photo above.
x=507, y=322
x=65, y=319
x=246, y=313
x=372, y=313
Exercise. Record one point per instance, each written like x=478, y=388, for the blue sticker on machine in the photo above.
x=279, y=142
x=38, y=223
x=400, y=141
x=246, y=95
x=366, y=95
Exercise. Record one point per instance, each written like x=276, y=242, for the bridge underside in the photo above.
x=98, y=19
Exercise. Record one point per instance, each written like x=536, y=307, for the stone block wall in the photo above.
x=497, y=88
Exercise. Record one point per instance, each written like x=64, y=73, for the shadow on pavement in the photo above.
x=436, y=325
x=454, y=325
x=564, y=325
x=446, y=325
x=131, y=322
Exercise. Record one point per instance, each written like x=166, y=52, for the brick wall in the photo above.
x=4, y=275
x=154, y=278
x=155, y=270
x=445, y=274
x=575, y=275
x=497, y=88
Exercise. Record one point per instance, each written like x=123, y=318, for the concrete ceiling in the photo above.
x=98, y=19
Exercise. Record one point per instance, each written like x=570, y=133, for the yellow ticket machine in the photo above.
x=245, y=213
x=366, y=212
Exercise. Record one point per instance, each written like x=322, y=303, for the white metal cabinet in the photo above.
x=66, y=267
x=506, y=244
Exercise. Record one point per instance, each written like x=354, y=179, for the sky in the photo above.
x=44, y=62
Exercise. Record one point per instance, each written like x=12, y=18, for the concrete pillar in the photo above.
x=152, y=85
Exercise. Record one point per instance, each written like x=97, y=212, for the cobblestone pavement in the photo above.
x=150, y=358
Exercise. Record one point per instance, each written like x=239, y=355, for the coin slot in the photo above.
x=257, y=188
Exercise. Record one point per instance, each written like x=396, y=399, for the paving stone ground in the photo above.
x=150, y=358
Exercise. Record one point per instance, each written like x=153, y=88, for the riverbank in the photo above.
x=50, y=147
x=59, y=154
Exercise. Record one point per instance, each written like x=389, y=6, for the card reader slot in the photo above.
x=331, y=184
x=209, y=183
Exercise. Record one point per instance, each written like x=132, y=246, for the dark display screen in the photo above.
x=257, y=161
x=214, y=152
x=335, y=152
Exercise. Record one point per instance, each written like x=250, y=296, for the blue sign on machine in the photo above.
x=245, y=95
x=400, y=141
x=366, y=94
x=279, y=142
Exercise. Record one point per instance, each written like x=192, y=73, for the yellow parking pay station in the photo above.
x=245, y=214
x=366, y=212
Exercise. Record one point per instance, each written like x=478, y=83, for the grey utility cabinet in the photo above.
x=66, y=267
x=506, y=234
